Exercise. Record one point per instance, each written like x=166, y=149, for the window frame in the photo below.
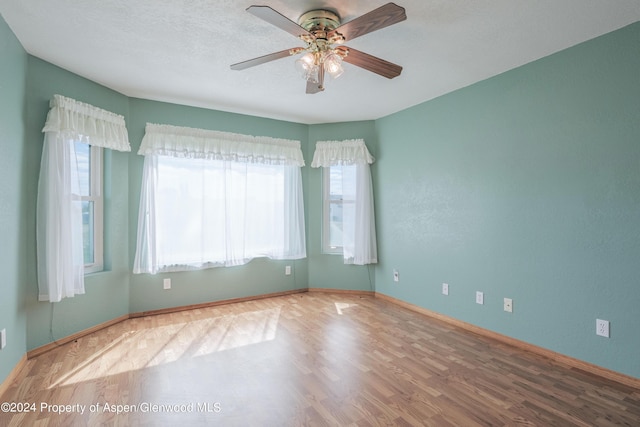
x=96, y=188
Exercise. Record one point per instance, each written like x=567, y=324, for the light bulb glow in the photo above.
x=333, y=65
x=308, y=59
x=307, y=68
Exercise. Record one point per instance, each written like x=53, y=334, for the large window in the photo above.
x=212, y=199
x=89, y=169
x=339, y=202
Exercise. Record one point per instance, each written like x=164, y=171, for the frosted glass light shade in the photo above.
x=307, y=68
x=333, y=65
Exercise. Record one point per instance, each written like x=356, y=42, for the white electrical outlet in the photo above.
x=3, y=339
x=602, y=328
x=445, y=289
x=396, y=276
x=479, y=297
x=287, y=270
x=166, y=283
x=508, y=305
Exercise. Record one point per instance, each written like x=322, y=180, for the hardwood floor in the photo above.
x=316, y=359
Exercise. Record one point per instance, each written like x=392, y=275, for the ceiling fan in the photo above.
x=324, y=35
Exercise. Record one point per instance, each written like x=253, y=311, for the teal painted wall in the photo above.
x=13, y=265
x=526, y=186
x=107, y=293
x=329, y=271
x=260, y=276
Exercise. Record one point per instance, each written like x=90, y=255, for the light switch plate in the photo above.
x=479, y=297
x=445, y=289
x=3, y=339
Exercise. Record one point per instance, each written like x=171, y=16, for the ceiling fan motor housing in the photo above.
x=323, y=20
x=320, y=23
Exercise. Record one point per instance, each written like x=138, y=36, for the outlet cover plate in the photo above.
x=445, y=289
x=3, y=339
x=396, y=276
x=508, y=305
x=166, y=283
x=602, y=328
x=287, y=270
x=479, y=297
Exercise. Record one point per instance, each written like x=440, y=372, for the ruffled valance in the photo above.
x=333, y=153
x=87, y=124
x=175, y=141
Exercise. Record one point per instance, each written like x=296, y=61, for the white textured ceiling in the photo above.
x=180, y=50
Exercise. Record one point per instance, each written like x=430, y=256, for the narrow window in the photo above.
x=339, y=203
x=89, y=161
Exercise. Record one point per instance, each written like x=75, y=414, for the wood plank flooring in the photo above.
x=311, y=359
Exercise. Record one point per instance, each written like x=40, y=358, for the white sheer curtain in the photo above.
x=213, y=198
x=59, y=217
x=358, y=219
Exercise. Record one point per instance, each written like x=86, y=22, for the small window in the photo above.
x=89, y=160
x=339, y=201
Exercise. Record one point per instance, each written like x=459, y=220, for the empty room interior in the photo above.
x=320, y=213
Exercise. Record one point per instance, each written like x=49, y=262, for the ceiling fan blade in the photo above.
x=377, y=19
x=371, y=63
x=263, y=59
x=313, y=88
x=276, y=18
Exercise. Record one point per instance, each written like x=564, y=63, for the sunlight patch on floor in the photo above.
x=340, y=306
x=169, y=343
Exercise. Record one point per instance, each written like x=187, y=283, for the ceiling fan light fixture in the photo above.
x=323, y=33
x=307, y=68
x=309, y=59
x=313, y=76
x=333, y=64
